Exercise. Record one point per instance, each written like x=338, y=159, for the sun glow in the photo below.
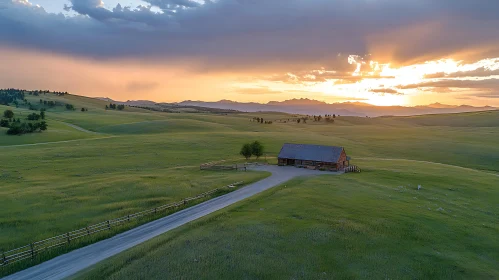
x=387, y=100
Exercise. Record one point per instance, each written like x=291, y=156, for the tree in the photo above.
x=42, y=114
x=257, y=149
x=33, y=117
x=261, y=120
x=4, y=123
x=246, y=151
x=8, y=114
x=83, y=109
x=298, y=121
x=43, y=126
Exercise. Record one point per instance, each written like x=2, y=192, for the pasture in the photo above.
x=135, y=159
x=373, y=225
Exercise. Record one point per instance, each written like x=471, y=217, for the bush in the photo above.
x=4, y=123
x=9, y=114
x=34, y=117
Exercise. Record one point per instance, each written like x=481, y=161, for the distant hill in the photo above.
x=314, y=107
x=306, y=106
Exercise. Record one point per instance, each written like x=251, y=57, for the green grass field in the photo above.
x=96, y=165
x=373, y=225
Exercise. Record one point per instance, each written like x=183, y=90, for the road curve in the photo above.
x=77, y=260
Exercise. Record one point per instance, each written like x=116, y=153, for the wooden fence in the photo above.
x=352, y=168
x=219, y=167
x=31, y=250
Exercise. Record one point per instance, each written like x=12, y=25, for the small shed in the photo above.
x=319, y=157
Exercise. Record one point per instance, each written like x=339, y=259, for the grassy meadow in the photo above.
x=92, y=166
x=373, y=225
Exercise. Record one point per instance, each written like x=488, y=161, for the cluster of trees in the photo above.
x=252, y=149
x=16, y=127
x=328, y=118
x=115, y=106
x=8, y=96
x=70, y=107
x=40, y=92
x=23, y=128
x=261, y=120
x=84, y=109
x=35, y=116
x=50, y=103
x=11, y=95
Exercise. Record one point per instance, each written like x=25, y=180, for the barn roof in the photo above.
x=311, y=152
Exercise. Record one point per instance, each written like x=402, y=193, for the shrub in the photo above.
x=9, y=114
x=4, y=123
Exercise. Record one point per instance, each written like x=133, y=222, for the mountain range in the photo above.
x=314, y=107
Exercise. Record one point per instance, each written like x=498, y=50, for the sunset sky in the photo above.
x=383, y=52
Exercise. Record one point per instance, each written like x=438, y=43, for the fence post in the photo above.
x=88, y=231
x=185, y=202
x=69, y=238
x=32, y=250
x=155, y=210
x=128, y=218
x=108, y=225
x=4, y=259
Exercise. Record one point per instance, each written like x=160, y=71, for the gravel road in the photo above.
x=75, y=261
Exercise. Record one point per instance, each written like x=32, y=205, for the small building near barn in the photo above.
x=319, y=157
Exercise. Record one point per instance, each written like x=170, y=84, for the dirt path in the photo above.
x=75, y=261
x=55, y=142
x=79, y=128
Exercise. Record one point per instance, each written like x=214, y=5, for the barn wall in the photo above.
x=342, y=162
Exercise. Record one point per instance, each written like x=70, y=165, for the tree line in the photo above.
x=16, y=127
x=252, y=149
x=115, y=106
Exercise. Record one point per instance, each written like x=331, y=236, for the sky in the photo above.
x=381, y=52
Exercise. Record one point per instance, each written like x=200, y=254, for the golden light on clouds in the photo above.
x=366, y=81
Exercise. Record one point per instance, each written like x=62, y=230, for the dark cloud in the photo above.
x=260, y=34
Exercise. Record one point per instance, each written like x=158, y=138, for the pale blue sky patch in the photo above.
x=56, y=6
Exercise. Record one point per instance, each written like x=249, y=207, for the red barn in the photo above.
x=314, y=157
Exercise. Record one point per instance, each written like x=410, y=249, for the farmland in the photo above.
x=373, y=225
x=100, y=164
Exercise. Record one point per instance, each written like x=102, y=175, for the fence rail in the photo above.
x=31, y=250
x=352, y=168
x=218, y=167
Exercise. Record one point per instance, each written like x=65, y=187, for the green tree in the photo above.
x=8, y=114
x=43, y=126
x=4, y=123
x=257, y=149
x=246, y=151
